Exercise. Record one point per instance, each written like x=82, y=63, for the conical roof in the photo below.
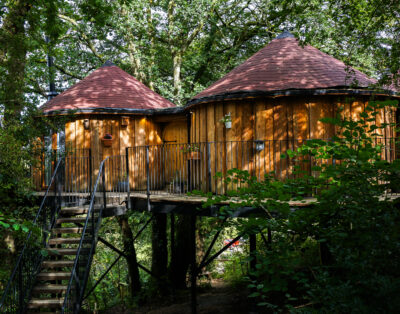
x=284, y=65
x=108, y=87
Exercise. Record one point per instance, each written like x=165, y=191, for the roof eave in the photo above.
x=131, y=111
x=291, y=92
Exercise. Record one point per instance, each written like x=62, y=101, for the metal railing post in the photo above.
x=90, y=172
x=103, y=178
x=128, y=201
x=55, y=185
x=148, y=177
x=209, y=166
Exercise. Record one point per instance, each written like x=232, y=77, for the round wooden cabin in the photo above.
x=109, y=103
x=275, y=100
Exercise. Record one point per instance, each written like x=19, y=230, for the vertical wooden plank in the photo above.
x=69, y=162
x=54, y=141
x=131, y=144
x=220, y=138
x=269, y=134
x=87, y=144
x=95, y=147
x=80, y=133
x=70, y=135
x=357, y=107
x=248, y=134
x=140, y=141
x=140, y=131
x=211, y=126
x=124, y=137
x=79, y=163
x=280, y=137
x=232, y=137
x=301, y=130
x=260, y=135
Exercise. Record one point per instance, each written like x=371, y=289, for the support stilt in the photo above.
x=194, y=267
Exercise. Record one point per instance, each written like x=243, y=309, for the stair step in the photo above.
x=49, y=289
x=55, y=241
x=79, y=210
x=53, y=312
x=54, y=251
x=62, y=275
x=67, y=230
x=57, y=264
x=45, y=303
x=71, y=219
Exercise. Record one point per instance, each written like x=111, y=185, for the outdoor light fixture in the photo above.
x=259, y=145
x=86, y=124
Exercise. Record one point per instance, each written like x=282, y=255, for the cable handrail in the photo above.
x=17, y=265
x=74, y=274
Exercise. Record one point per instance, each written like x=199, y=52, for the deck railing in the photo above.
x=180, y=168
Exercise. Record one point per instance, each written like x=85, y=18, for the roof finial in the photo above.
x=285, y=34
x=108, y=63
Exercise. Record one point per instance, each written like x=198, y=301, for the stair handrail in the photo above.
x=74, y=276
x=22, y=298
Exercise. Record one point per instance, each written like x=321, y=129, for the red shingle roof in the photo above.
x=283, y=65
x=107, y=87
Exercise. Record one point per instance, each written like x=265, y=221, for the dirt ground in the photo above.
x=218, y=299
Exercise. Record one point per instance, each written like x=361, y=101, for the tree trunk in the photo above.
x=181, y=253
x=129, y=249
x=159, y=251
x=14, y=43
x=177, y=63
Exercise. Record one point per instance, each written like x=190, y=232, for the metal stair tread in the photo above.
x=78, y=210
x=57, y=251
x=54, y=241
x=54, y=275
x=58, y=264
x=67, y=230
x=45, y=303
x=49, y=288
x=70, y=220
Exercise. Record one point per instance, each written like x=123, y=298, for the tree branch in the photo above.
x=85, y=38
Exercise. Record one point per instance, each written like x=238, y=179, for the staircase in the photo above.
x=52, y=270
x=52, y=281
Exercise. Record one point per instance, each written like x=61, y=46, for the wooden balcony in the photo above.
x=172, y=170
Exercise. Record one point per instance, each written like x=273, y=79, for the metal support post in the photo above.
x=128, y=201
x=90, y=173
x=103, y=178
x=193, y=287
x=148, y=178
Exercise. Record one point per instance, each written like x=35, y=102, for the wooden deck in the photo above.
x=164, y=202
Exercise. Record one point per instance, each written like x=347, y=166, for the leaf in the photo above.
x=16, y=227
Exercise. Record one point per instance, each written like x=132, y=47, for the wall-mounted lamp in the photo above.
x=124, y=121
x=260, y=145
x=86, y=124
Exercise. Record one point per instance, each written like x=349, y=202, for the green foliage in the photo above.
x=340, y=253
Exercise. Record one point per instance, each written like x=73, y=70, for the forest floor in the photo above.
x=220, y=298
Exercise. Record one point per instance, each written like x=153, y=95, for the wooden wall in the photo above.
x=283, y=123
x=139, y=131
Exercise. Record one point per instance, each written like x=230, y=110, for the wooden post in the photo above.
x=193, y=287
